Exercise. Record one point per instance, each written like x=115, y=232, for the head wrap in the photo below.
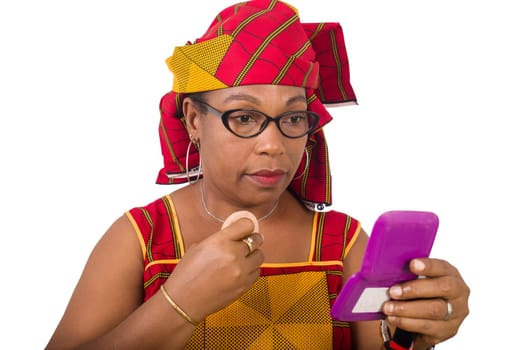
x=259, y=42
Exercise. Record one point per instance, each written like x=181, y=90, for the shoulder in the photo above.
x=154, y=212
x=156, y=221
x=340, y=220
x=153, y=206
x=348, y=228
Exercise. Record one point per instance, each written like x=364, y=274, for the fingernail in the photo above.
x=419, y=265
x=388, y=308
x=395, y=291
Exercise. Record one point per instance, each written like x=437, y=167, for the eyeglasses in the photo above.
x=248, y=123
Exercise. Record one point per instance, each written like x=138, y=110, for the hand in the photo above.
x=421, y=306
x=217, y=271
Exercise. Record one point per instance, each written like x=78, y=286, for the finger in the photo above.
x=252, y=242
x=441, y=280
x=446, y=287
x=239, y=229
x=433, y=309
x=254, y=260
x=430, y=267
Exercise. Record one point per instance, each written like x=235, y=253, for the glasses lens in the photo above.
x=245, y=123
x=297, y=123
x=249, y=123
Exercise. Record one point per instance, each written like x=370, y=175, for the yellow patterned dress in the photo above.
x=289, y=305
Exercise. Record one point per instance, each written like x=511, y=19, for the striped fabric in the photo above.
x=259, y=42
x=289, y=305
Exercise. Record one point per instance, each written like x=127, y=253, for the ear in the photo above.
x=192, y=117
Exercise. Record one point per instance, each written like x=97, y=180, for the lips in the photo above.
x=268, y=177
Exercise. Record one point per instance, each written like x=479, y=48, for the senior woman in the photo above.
x=243, y=126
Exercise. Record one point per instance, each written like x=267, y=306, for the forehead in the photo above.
x=258, y=93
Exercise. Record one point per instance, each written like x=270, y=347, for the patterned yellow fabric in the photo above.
x=278, y=312
x=194, y=66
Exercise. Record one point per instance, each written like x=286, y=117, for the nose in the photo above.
x=270, y=141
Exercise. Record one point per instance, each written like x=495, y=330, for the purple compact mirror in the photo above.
x=397, y=238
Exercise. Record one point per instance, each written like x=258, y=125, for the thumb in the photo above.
x=238, y=227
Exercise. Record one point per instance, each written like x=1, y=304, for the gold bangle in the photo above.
x=177, y=308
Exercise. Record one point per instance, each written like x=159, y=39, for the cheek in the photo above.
x=297, y=152
x=221, y=150
x=213, y=137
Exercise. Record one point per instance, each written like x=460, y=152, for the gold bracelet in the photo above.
x=177, y=308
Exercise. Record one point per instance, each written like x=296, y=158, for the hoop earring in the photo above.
x=305, y=167
x=195, y=171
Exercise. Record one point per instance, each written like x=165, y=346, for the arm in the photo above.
x=105, y=309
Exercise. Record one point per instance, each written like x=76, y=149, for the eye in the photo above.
x=295, y=119
x=243, y=117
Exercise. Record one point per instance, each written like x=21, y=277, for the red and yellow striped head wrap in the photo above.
x=260, y=42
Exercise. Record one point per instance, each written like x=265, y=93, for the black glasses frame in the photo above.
x=225, y=120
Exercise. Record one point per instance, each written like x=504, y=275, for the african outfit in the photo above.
x=260, y=42
x=289, y=305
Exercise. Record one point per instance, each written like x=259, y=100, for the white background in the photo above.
x=437, y=128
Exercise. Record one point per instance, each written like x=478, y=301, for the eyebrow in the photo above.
x=253, y=99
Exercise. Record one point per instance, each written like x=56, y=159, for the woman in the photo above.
x=243, y=125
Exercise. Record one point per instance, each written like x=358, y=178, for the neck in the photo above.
x=219, y=219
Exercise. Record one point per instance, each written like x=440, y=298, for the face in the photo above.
x=256, y=169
